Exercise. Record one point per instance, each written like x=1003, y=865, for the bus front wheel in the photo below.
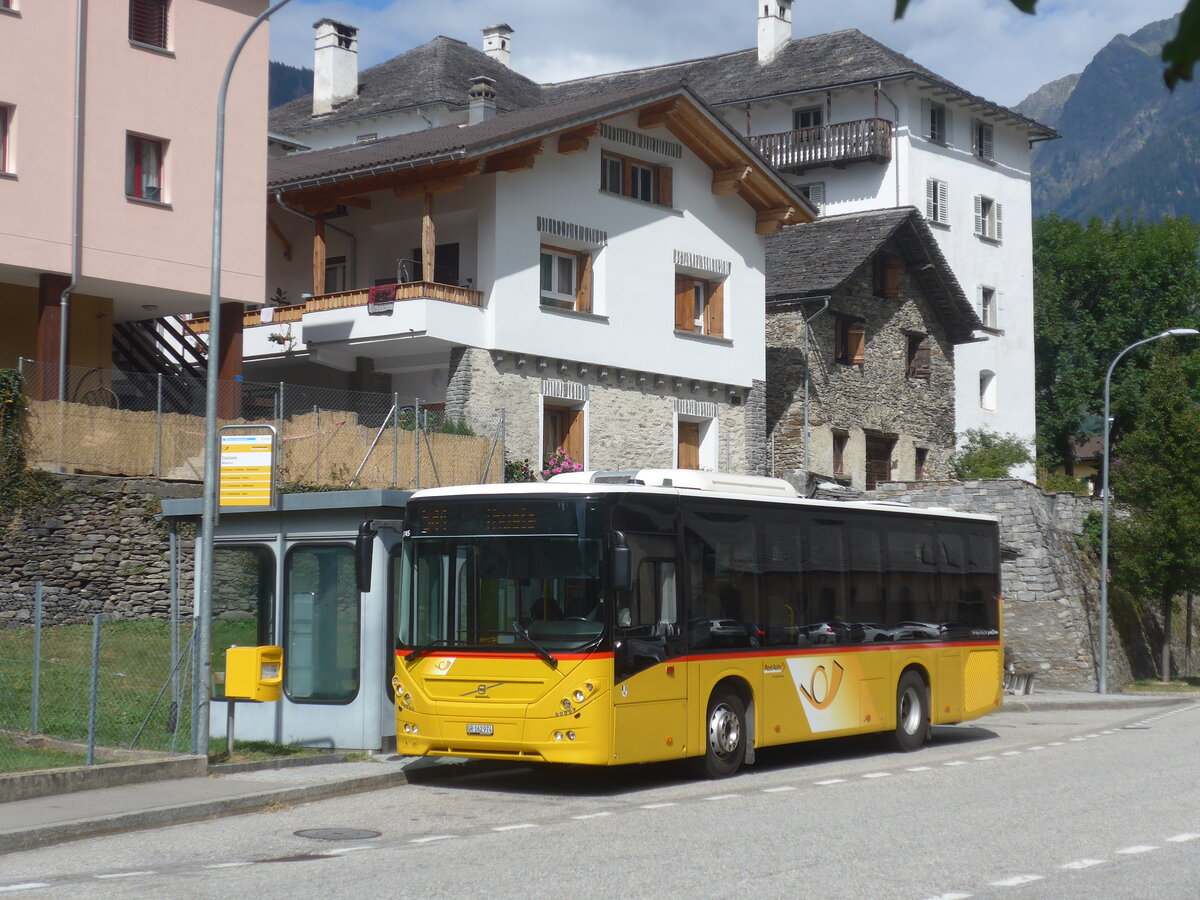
x=912, y=712
x=725, y=735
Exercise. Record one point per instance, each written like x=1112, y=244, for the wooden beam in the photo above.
x=577, y=141
x=428, y=240
x=277, y=233
x=771, y=220
x=729, y=181
x=357, y=202
x=318, y=258
x=518, y=159
x=657, y=115
x=319, y=199
x=440, y=186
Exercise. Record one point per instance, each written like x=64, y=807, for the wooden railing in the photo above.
x=415, y=290
x=866, y=140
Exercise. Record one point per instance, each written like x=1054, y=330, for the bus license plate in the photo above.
x=487, y=730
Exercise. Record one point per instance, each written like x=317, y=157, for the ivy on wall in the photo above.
x=20, y=486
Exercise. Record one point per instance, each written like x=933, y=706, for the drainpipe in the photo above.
x=895, y=136
x=352, y=238
x=64, y=300
x=808, y=378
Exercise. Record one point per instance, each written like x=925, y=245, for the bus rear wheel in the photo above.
x=912, y=713
x=725, y=736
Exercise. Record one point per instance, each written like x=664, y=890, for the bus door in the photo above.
x=650, y=689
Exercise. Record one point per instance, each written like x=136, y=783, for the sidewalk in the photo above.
x=25, y=824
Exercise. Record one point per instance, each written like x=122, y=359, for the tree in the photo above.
x=1098, y=288
x=1180, y=54
x=986, y=454
x=1156, y=477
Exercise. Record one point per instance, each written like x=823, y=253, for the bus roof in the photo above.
x=685, y=482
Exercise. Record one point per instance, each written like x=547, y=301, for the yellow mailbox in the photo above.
x=254, y=673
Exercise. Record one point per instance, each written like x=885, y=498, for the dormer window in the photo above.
x=636, y=179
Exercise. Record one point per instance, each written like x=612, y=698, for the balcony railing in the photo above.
x=866, y=140
x=413, y=290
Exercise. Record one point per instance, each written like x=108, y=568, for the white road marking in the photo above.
x=348, y=849
x=1074, y=739
x=786, y=787
x=919, y=768
x=24, y=886
x=723, y=797
x=1038, y=747
x=431, y=838
x=877, y=775
x=830, y=781
x=955, y=762
x=1091, y=735
x=1055, y=744
x=952, y=896
x=1183, y=838
x=1140, y=848
x=1016, y=881
x=982, y=758
x=514, y=827
x=656, y=805
x=228, y=865
x=124, y=874
x=1011, y=753
x=1082, y=864
x=594, y=815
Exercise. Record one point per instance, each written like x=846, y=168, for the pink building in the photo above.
x=146, y=100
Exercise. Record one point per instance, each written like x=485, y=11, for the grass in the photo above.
x=1179, y=685
x=15, y=758
x=252, y=751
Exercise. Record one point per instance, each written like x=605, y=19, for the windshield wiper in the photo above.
x=541, y=651
x=422, y=650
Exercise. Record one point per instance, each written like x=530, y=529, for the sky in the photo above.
x=985, y=46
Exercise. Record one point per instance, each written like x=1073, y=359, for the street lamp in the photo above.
x=1170, y=332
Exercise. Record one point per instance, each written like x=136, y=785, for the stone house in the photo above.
x=867, y=304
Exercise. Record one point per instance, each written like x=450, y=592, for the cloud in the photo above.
x=986, y=46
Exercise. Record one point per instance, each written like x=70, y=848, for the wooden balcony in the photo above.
x=866, y=140
x=413, y=290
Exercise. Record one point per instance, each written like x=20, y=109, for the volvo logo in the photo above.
x=481, y=690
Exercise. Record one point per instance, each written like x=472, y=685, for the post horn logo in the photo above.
x=823, y=685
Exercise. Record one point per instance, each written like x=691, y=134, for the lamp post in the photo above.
x=1170, y=332
x=202, y=609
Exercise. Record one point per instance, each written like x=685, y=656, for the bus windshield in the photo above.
x=500, y=591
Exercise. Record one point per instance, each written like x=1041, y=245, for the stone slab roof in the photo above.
x=437, y=72
x=819, y=257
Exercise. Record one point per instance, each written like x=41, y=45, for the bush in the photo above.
x=986, y=454
x=1057, y=482
x=518, y=470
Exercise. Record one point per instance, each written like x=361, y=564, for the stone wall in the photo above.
x=1050, y=585
x=630, y=416
x=874, y=396
x=99, y=549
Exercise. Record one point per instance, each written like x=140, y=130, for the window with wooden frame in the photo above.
x=148, y=21
x=144, y=168
x=5, y=129
x=840, y=439
x=562, y=429
x=919, y=354
x=982, y=144
x=988, y=307
x=887, y=270
x=688, y=445
x=635, y=179
x=937, y=205
x=808, y=117
x=699, y=305
x=565, y=278
x=849, y=340
x=989, y=223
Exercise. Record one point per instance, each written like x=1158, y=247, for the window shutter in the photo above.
x=949, y=137
x=943, y=200
x=664, y=186
x=839, y=340
x=931, y=189
x=816, y=195
x=891, y=276
x=923, y=359
x=979, y=214
x=999, y=222
x=583, y=292
x=926, y=119
x=573, y=439
x=999, y=301
x=856, y=342
x=684, y=319
x=987, y=142
x=714, y=309
x=148, y=22
x=979, y=302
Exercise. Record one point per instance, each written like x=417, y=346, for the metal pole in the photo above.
x=1103, y=675
x=807, y=380
x=209, y=519
x=417, y=442
x=37, y=655
x=396, y=439
x=173, y=563
x=158, y=426
x=93, y=694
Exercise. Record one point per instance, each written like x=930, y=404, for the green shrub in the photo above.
x=986, y=454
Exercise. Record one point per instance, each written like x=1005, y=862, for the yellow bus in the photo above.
x=616, y=618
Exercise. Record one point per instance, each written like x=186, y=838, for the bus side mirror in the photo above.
x=621, y=573
x=364, y=546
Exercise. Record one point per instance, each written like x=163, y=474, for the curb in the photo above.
x=68, y=779
x=1018, y=705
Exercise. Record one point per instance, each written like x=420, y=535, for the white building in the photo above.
x=594, y=267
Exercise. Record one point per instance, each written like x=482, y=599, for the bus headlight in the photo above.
x=570, y=735
x=558, y=735
x=408, y=698
x=396, y=686
x=579, y=696
x=566, y=703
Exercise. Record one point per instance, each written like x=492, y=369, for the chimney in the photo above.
x=335, y=65
x=774, y=28
x=483, y=100
x=497, y=39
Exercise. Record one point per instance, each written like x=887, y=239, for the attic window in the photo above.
x=887, y=275
x=919, y=356
x=369, y=136
x=849, y=341
x=635, y=179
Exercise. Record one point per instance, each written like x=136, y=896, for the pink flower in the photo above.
x=556, y=470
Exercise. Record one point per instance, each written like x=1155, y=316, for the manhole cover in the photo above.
x=337, y=834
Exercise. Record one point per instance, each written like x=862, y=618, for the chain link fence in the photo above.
x=93, y=690
x=113, y=422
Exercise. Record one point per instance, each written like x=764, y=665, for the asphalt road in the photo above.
x=1083, y=803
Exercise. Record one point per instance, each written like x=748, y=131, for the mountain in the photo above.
x=1129, y=146
x=285, y=83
